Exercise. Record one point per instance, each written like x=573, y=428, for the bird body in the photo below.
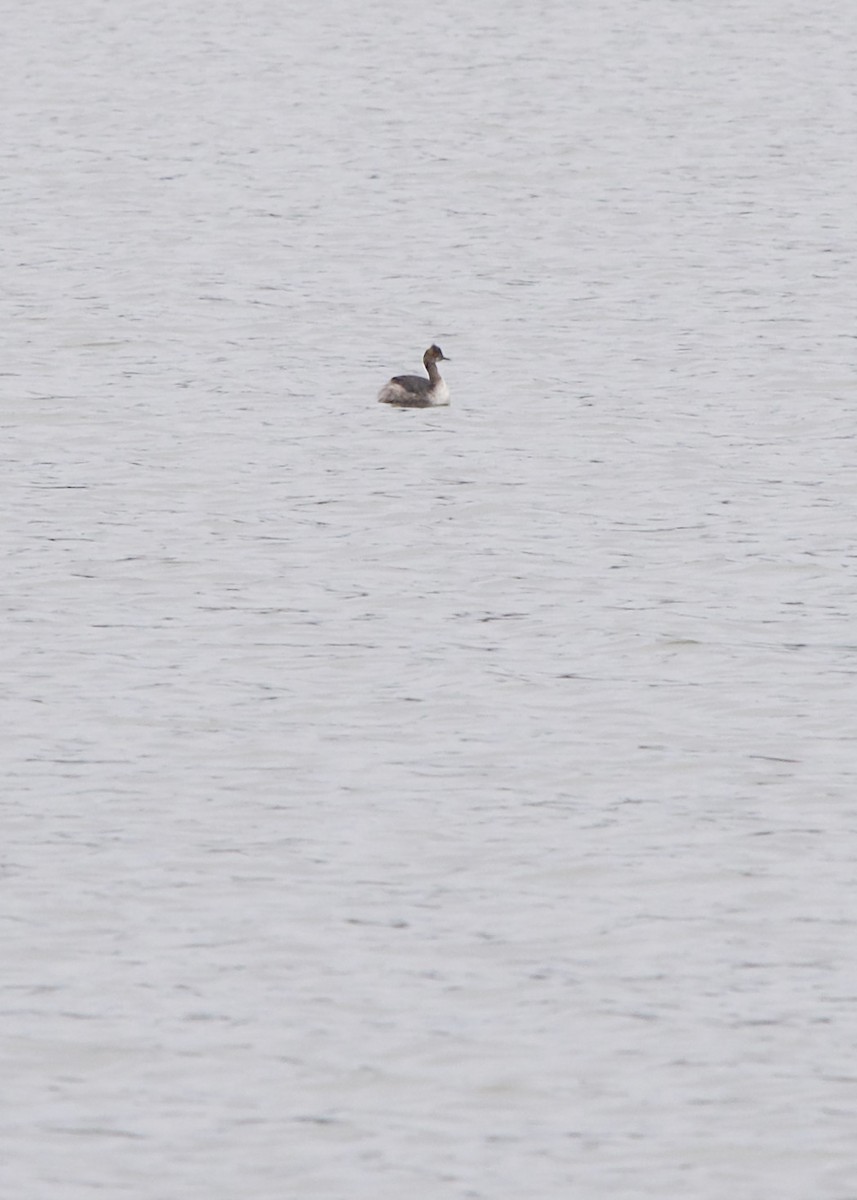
x=412, y=391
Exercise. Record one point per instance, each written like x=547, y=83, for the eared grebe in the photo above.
x=412, y=391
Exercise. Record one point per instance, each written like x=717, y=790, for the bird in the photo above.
x=412, y=391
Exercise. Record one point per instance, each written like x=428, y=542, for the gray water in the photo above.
x=453, y=803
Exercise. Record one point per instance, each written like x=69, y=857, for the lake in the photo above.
x=439, y=803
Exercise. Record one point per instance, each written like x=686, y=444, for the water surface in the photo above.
x=436, y=803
